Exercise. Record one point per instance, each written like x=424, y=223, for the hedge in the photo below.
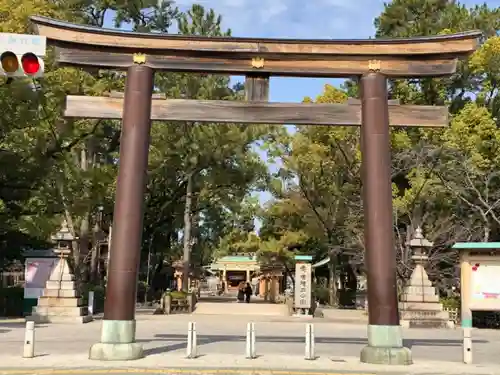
x=12, y=301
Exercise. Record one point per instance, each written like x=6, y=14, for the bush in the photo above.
x=177, y=294
x=347, y=298
x=12, y=301
x=486, y=319
x=142, y=289
x=450, y=302
x=321, y=294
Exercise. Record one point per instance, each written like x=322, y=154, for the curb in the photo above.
x=173, y=370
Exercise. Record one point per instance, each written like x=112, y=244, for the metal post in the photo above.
x=310, y=355
x=377, y=202
x=466, y=313
x=91, y=303
x=29, y=340
x=467, y=345
x=250, y=343
x=192, y=345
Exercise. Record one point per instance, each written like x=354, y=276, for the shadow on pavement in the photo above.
x=21, y=324
x=209, y=339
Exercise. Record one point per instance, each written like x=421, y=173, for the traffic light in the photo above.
x=21, y=55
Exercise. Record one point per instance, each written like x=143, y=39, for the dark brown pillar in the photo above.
x=128, y=213
x=380, y=256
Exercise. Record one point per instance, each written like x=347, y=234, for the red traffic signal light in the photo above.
x=30, y=64
x=26, y=65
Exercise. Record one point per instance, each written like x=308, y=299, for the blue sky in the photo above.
x=336, y=19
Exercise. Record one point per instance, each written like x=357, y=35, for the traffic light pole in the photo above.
x=118, y=327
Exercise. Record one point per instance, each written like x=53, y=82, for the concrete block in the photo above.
x=63, y=277
x=60, y=311
x=39, y=319
x=385, y=347
x=62, y=293
x=421, y=306
x=60, y=285
x=59, y=302
x=116, y=352
x=386, y=356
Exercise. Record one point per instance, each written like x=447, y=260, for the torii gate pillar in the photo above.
x=118, y=326
x=385, y=340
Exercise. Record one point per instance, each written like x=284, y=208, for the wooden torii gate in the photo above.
x=372, y=61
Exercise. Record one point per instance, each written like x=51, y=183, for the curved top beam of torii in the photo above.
x=408, y=57
x=59, y=31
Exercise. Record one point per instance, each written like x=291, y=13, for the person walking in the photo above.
x=248, y=292
x=241, y=292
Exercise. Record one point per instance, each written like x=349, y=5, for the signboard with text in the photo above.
x=303, y=281
x=23, y=43
x=37, y=272
x=485, y=284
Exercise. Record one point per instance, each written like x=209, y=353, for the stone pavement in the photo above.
x=231, y=364
x=221, y=345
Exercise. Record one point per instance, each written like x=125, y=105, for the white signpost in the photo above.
x=37, y=272
x=303, y=281
x=479, y=285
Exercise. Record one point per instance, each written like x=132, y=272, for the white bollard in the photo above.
x=91, y=303
x=310, y=342
x=250, y=346
x=192, y=345
x=29, y=340
x=467, y=345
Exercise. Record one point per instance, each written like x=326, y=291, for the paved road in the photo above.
x=221, y=341
x=220, y=335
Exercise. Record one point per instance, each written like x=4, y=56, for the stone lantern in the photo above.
x=63, y=240
x=420, y=247
x=420, y=306
x=61, y=302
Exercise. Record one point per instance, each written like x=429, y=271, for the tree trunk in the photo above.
x=83, y=247
x=93, y=263
x=187, y=232
x=84, y=240
x=96, y=251
x=486, y=233
x=332, y=282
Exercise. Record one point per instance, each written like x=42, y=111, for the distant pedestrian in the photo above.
x=248, y=292
x=241, y=292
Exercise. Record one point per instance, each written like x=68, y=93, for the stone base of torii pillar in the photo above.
x=60, y=302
